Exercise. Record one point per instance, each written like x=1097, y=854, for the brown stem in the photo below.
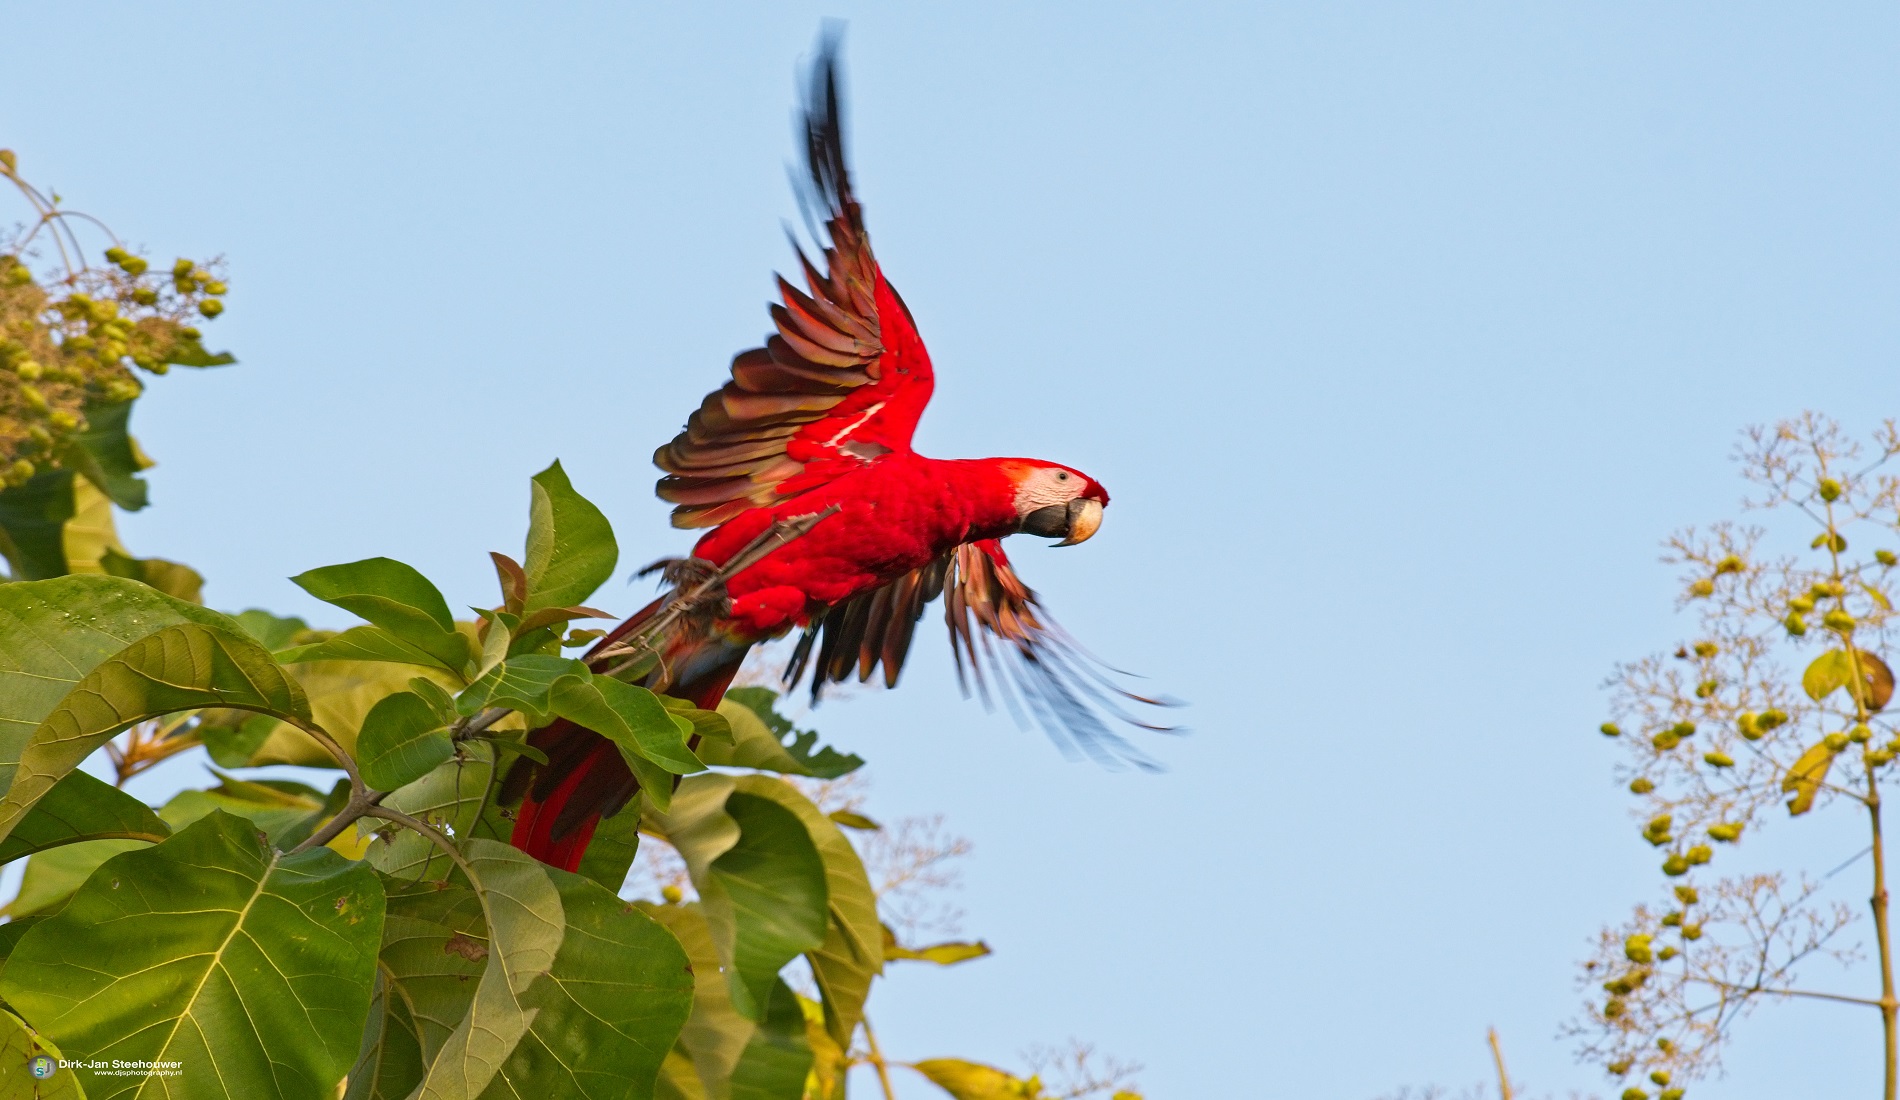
x=1497, y=1055
x=1857, y=690
x=878, y=1063
x=1889, y=1006
x=363, y=801
x=435, y=837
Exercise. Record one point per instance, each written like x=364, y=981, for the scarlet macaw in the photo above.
x=821, y=418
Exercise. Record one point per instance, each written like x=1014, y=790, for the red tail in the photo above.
x=585, y=778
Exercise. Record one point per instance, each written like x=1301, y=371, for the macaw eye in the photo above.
x=1062, y=475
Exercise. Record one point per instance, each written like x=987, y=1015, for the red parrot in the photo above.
x=818, y=422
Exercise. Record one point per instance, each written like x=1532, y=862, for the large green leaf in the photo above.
x=179, y=668
x=761, y=881
x=341, y=694
x=91, y=543
x=525, y=683
x=81, y=808
x=608, y=1011
x=273, y=632
x=397, y=598
x=631, y=717
x=526, y=924
x=435, y=942
x=763, y=739
x=650, y=739
x=727, y=1056
x=54, y=632
x=19, y=1045
x=853, y=951
x=285, y=811
x=363, y=643
x=105, y=454
x=403, y=738
x=34, y=517
x=451, y=796
x=52, y=876
x=571, y=549
x=609, y=855
x=249, y=967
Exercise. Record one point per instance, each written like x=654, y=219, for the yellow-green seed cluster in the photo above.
x=73, y=342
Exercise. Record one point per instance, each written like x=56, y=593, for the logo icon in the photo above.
x=42, y=1065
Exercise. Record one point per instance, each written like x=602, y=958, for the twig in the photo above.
x=362, y=801
x=351, y=812
x=878, y=1063
x=435, y=837
x=1497, y=1055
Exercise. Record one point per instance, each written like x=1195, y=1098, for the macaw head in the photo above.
x=1055, y=501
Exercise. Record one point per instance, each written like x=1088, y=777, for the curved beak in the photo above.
x=1085, y=518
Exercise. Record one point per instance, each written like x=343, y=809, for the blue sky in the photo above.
x=1401, y=333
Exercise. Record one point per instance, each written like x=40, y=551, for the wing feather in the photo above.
x=842, y=376
x=1003, y=641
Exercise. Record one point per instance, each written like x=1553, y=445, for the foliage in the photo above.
x=71, y=344
x=1774, y=707
x=262, y=937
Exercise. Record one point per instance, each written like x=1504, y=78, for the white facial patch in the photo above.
x=1047, y=486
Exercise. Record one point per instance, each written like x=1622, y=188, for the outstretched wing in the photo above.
x=842, y=380
x=999, y=634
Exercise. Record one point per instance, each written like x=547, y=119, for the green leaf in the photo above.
x=571, y=549
x=609, y=855
x=608, y=1010
x=403, y=738
x=974, y=1081
x=12, y=931
x=760, y=877
x=341, y=694
x=649, y=738
x=53, y=633
x=179, y=668
x=168, y=577
x=80, y=808
x=943, y=954
x=452, y=795
x=523, y=683
x=104, y=453
x=726, y=1054
x=19, y=1045
x=52, y=876
x=362, y=643
x=232, y=737
x=435, y=944
x=250, y=967
x=396, y=597
x=853, y=951
x=851, y=819
x=765, y=740
x=273, y=632
x=526, y=924
x=279, y=812
x=34, y=518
